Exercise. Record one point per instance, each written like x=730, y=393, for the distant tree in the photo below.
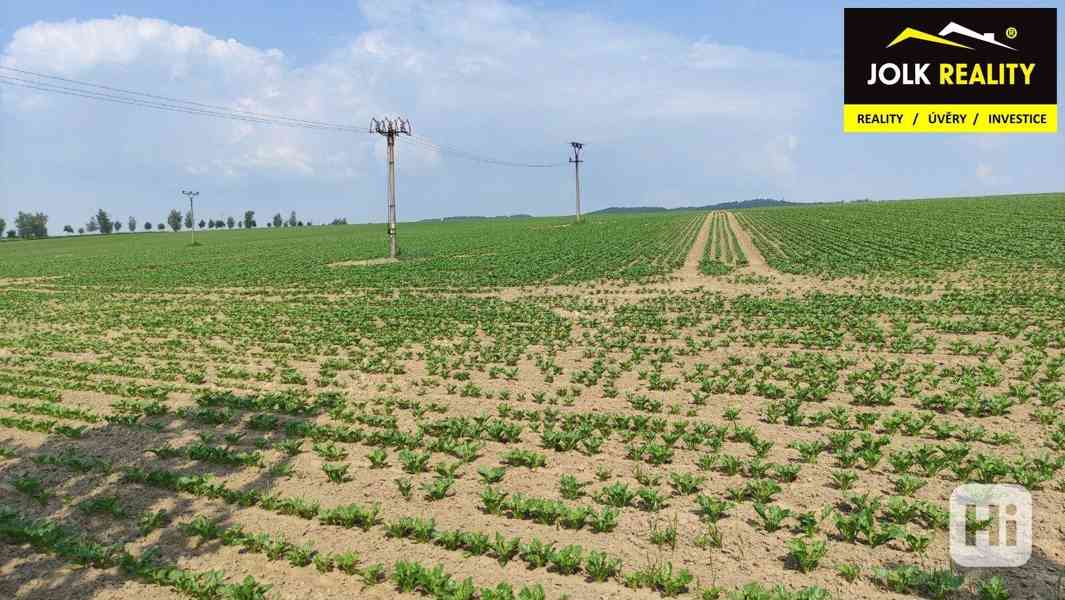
x=278, y=221
x=81, y=231
x=269, y=224
x=3, y=224
x=29, y=226
x=341, y=221
x=132, y=224
x=188, y=220
x=230, y=222
x=292, y=219
x=101, y=222
x=174, y=219
x=254, y=223
x=11, y=233
x=117, y=224
x=299, y=223
x=240, y=224
x=147, y=226
x=160, y=226
x=66, y=229
x=249, y=219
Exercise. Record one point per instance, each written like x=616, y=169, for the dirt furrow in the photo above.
x=755, y=261
x=690, y=271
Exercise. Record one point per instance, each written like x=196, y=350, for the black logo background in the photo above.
x=868, y=31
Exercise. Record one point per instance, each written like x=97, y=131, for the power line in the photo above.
x=169, y=99
x=117, y=95
x=445, y=149
x=67, y=91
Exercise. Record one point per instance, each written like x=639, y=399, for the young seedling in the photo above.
x=616, y=494
x=405, y=487
x=414, y=462
x=686, y=484
x=378, y=458
x=282, y=469
x=772, y=516
x=32, y=487
x=347, y=562
x=664, y=535
x=601, y=567
x=327, y=451
x=103, y=504
x=569, y=488
x=711, y=508
x=567, y=560
x=650, y=500
x=438, y=489
x=337, y=472
x=710, y=537
x=993, y=588
x=807, y=552
x=844, y=480
x=849, y=572
x=150, y=521
x=491, y=474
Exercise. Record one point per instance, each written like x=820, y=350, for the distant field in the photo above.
x=913, y=236
x=451, y=254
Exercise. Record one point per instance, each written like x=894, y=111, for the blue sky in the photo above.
x=679, y=104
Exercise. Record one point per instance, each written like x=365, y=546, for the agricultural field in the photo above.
x=766, y=404
x=455, y=255
x=722, y=253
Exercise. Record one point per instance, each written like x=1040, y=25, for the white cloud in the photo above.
x=779, y=154
x=986, y=175
x=71, y=47
x=490, y=77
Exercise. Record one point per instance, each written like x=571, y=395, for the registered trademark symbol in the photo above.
x=1011, y=33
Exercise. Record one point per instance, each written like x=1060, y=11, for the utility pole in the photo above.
x=576, y=160
x=192, y=213
x=390, y=128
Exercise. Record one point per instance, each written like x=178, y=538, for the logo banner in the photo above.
x=950, y=70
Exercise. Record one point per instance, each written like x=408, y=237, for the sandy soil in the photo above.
x=364, y=263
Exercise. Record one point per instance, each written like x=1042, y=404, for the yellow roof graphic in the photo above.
x=910, y=32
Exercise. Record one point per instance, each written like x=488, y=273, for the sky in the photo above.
x=678, y=104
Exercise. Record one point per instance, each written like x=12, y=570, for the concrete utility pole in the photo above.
x=390, y=128
x=576, y=160
x=192, y=213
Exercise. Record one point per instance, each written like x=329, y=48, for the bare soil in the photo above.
x=364, y=263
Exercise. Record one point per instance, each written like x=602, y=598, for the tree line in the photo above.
x=30, y=226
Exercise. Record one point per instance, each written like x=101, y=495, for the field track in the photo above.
x=690, y=271
x=755, y=261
